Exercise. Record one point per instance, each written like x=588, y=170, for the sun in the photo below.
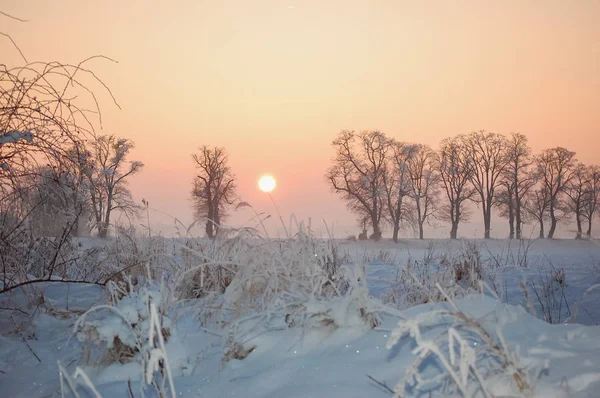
x=267, y=183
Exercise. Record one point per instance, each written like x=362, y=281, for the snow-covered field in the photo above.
x=534, y=331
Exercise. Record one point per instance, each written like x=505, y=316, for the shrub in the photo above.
x=119, y=331
x=469, y=359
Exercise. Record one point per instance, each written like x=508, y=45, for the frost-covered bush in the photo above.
x=415, y=284
x=547, y=294
x=466, y=359
x=156, y=378
x=458, y=274
x=119, y=329
x=300, y=282
x=206, y=267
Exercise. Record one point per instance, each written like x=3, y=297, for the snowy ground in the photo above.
x=337, y=363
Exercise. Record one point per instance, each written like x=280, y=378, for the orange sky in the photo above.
x=274, y=81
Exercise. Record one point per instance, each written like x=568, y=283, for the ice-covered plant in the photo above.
x=75, y=383
x=157, y=372
x=467, y=359
x=119, y=328
x=458, y=274
x=300, y=282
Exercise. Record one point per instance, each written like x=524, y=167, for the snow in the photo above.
x=12, y=137
x=333, y=361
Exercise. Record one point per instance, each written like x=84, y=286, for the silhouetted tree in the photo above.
x=576, y=194
x=455, y=175
x=517, y=179
x=487, y=152
x=397, y=187
x=537, y=206
x=106, y=170
x=214, y=187
x=423, y=182
x=506, y=204
x=358, y=171
x=555, y=168
x=591, y=197
x=58, y=200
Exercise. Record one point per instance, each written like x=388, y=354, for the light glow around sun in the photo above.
x=267, y=183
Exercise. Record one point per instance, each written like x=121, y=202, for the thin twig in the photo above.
x=13, y=17
x=14, y=309
x=15, y=45
x=382, y=384
x=129, y=388
x=24, y=340
x=8, y=289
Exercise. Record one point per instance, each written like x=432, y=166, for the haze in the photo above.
x=275, y=81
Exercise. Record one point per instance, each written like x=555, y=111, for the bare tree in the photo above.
x=576, y=194
x=591, y=197
x=423, y=181
x=518, y=178
x=58, y=199
x=537, y=206
x=106, y=173
x=555, y=168
x=397, y=187
x=455, y=175
x=358, y=171
x=41, y=117
x=488, y=155
x=506, y=204
x=214, y=187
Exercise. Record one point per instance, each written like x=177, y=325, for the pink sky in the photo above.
x=275, y=81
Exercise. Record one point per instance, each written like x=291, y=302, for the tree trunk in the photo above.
x=589, y=228
x=518, y=214
x=487, y=216
x=395, y=232
x=511, y=221
x=579, y=227
x=553, y=222
x=455, y=219
x=421, y=230
x=542, y=230
x=376, y=230
x=103, y=230
x=209, y=224
x=217, y=222
x=454, y=230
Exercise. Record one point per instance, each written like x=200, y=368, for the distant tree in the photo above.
x=517, y=180
x=576, y=194
x=455, y=175
x=358, y=171
x=555, y=168
x=107, y=170
x=397, y=187
x=487, y=153
x=423, y=182
x=591, y=197
x=58, y=201
x=214, y=187
x=537, y=206
x=506, y=204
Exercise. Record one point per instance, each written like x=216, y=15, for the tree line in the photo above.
x=79, y=191
x=386, y=182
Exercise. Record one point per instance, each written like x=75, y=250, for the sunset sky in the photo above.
x=274, y=81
